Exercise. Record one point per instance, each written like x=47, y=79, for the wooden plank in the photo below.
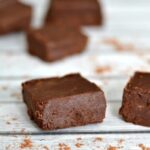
x=14, y=119
x=116, y=65
x=78, y=142
x=10, y=90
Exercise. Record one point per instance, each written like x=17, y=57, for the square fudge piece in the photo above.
x=14, y=16
x=54, y=42
x=136, y=100
x=75, y=12
x=5, y=3
x=71, y=100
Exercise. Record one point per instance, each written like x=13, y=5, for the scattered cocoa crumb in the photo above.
x=4, y=87
x=142, y=146
x=78, y=145
x=63, y=146
x=118, y=45
x=103, y=69
x=79, y=139
x=8, y=147
x=14, y=119
x=98, y=139
x=46, y=148
x=8, y=122
x=112, y=148
x=17, y=95
x=22, y=130
x=27, y=143
x=120, y=141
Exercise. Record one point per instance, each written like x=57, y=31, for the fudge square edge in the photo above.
x=136, y=100
x=61, y=102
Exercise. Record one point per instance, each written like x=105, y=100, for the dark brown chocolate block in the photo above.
x=54, y=42
x=14, y=16
x=136, y=100
x=71, y=100
x=4, y=3
x=75, y=12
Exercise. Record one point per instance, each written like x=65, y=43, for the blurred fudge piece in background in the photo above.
x=75, y=12
x=14, y=16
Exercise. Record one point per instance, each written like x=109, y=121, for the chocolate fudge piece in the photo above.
x=14, y=16
x=75, y=12
x=136, y=100
x=54, y=42
x=63, y=102
x=4, y=3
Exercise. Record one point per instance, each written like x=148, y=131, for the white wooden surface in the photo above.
x=128, y=22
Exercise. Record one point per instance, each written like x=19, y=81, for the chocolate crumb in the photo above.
x=46, y=148
x=4, y=87
x=14, y=119
x=78, y=145
x=79, y=139
x=112, y=148
x=8, y=122
x=27, y=143
x=98, y=139
x=143, y=147
x=103, y=69
x=63, y=146
x=120, y=141
x=118, y=45
x=22, y=130
x=16, y=95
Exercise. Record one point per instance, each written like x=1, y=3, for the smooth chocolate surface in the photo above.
x=75, y=12
x=14, y=16
x=63, y=102
x=5, y=3
x=53, y=42
x=136, y=100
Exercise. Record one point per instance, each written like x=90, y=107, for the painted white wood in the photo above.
x=88, y=142
x=128, y=22
x=14, y=118
x=119, y=64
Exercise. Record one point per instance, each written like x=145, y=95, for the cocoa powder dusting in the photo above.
x=78, y=145
x=112, y=148
x=27, y=143
x=63, y=146
x=143, y=147
x=120, y=141
x=119, y=46
x=45, y=148
x=103, y=69
x=79, y=139
x=98, y=139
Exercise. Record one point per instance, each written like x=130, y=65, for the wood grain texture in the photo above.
x=78, y=142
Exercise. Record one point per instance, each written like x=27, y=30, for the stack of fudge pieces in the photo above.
x=61, y=35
